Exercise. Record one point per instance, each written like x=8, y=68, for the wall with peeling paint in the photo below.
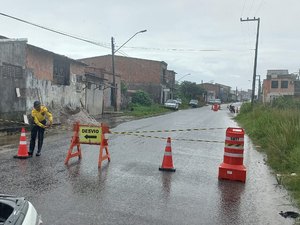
x=54, y=96
x=31, y=70
x=12, y=76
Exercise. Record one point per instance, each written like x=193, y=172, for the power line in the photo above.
x=259, y=6
x=56, y=31
x=251, y=6
x=243, y=8
x=106, y=45
x=176, y=49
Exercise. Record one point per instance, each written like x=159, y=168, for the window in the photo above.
x=284, y=84
x=89, y=85
x=274, y=84
x=61, y=71
x=164, y=76
x=9, y=70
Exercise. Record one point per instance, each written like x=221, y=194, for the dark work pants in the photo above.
x=37, y=131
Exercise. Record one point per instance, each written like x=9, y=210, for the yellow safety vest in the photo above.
x=39, y=116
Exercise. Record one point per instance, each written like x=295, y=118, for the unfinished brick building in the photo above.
x=140, y=74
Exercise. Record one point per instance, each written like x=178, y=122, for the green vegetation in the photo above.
x=142, y=106
x=141, y=98
x=276, y=128
x=190, y=90
x=144, y=111
x=124, y=87
x=185, y=91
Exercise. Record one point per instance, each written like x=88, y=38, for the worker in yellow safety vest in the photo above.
x=39, y=113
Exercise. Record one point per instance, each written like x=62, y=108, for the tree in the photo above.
x=124, y=88
x=190, y=90
x=142, y=98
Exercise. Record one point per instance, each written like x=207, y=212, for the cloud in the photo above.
x=171, y=24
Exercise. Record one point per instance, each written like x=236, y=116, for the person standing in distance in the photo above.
x=38, y=114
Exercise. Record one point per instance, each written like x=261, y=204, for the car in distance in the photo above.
x=179, y=101
x=171, y=104
x=211, y=101
x=18, y=210
x=193, y=103
x=217, y=101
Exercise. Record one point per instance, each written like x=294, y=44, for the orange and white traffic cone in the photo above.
x=232, y=167
x=167, y=164
x=23, y=150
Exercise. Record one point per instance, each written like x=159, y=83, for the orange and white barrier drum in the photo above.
x=215, y=107
x=232, y=167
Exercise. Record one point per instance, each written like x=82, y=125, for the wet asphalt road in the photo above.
x=131, y=190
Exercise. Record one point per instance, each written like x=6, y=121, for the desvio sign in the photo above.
x=90, y=134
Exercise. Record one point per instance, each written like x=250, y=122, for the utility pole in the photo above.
x=255, y=59
x=114, y=95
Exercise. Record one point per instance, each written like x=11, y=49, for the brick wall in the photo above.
x=147, y=75
x=40, y=62
x=131, y=70
x=77, y=68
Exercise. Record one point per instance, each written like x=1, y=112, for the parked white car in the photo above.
x=171, y=104
x=193, y=103
x=179, y=101
x=18, y=211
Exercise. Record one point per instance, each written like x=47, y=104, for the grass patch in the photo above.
x=277, y=131
x=139, y=111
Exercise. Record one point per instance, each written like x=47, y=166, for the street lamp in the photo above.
x=113, y=51
x=183, y=77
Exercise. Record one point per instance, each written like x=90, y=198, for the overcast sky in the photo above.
x=179, y=32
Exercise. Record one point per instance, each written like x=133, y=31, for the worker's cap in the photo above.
x=36, y=104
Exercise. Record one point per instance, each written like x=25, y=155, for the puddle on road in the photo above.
x=13, y=140
x=9, y=140
x=114, y=121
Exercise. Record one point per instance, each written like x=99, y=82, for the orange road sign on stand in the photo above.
x=92, y=135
